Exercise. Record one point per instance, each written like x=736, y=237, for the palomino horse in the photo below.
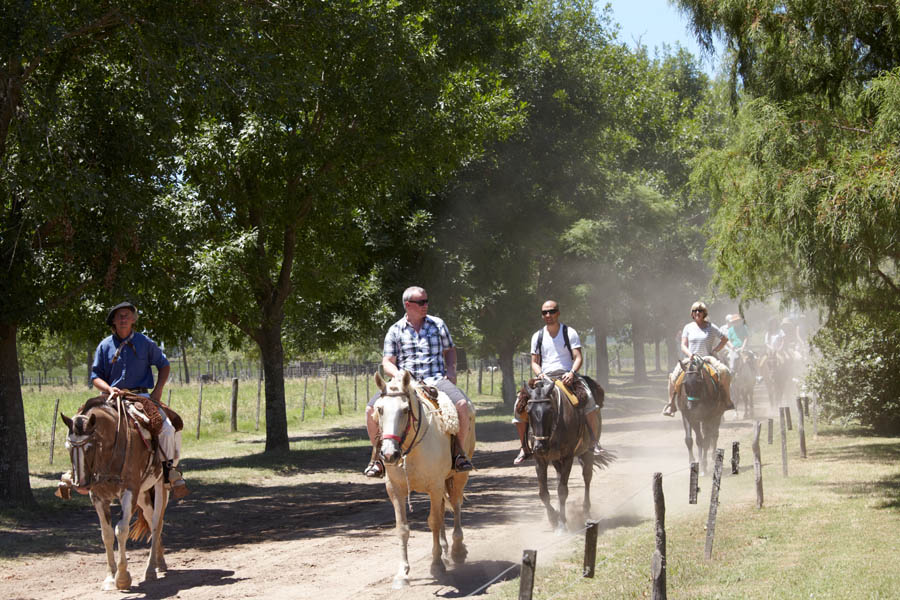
x=701, y=409
x=111, y=459
x=743, y=379
x=416, y=451
x=559, y=434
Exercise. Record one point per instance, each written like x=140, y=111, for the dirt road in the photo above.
x=325, y=531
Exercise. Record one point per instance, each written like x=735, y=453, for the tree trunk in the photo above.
x=658, y=362
x=90, y=364
x=70, y=366
x=272, y=353
x=508, y=372
x=672, y=351
x=600, y=332
x=637, y=342
x=15, y=487
x=187, y=373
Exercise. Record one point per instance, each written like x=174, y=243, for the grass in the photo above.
x=829, y=530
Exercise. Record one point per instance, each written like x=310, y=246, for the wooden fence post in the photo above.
x=199, y=408
x=801, y=430
x=784, y=464
x=324, y=389
x=770, y=432
x=757, y=465
x=526, y=575
x=658, y=562
x=492, y=380
x=714, y=502
x=234, y=398
x=53, y=430
x=480, y=372
x=337, y=389
x=590, y=549
x=735, y=457
x=355, y=401
x=694, y=487
x=787, y=417
x=169, y=402
x=258, y=398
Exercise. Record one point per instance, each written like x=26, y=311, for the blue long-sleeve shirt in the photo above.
x=132, y=369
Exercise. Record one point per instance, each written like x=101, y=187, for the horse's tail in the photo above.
x=140, y=530
x=596, y=390
x=604, y=459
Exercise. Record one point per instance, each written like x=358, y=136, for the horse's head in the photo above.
x=82, y=447
x=541, y=413
x=392, y=412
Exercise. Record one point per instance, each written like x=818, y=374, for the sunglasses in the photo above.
x=552, y=311
x=698, y=310
x=419, y=302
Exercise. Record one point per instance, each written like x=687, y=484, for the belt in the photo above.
x=139, y=391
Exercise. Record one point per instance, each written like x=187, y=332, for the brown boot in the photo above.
x=176, y=482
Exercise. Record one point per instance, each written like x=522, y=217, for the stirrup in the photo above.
x=522, y=457
x=375, y=469
x=669, y=410
x=462, y=463
x=597, y=450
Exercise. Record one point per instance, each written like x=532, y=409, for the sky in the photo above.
x=653, y=23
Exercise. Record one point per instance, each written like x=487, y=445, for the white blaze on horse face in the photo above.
x=393, y=414
x=77, y=445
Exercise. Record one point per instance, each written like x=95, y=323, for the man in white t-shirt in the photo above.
x=556, y=353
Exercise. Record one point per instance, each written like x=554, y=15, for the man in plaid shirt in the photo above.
x=421, y=344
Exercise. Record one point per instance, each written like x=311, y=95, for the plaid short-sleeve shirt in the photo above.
x=421, y=353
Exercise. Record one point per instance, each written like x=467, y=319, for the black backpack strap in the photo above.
x=566, y=340
x=539, y=340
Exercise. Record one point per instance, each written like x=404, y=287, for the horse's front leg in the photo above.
x=563, y=470
x=436, y=524
x=541, y=467
x=109, y=541
x=398, y=500
x=688, y=440
x=155, y=560
x=123, y=577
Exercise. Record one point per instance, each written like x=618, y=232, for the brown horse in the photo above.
x=112, y=460
x=700, y=402
x=558, y=434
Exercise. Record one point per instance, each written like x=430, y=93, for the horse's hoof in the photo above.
x=561, y=529
x=123, y=582
x=161, y=566
x=400, y=583
x=459, y=555
x=150, y=575
x=438, y=569
x=109, y=584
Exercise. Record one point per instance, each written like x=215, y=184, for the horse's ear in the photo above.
x=91, y=423
x=67, y=421
x=379, y=382
x=406, y=379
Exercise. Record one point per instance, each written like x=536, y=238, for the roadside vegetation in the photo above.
x=827, y=531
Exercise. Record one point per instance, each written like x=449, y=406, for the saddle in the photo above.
x=428, y=393
x=148, y=411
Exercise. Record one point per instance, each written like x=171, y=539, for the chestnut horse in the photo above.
x=112, y=460
x=415, y=448
x=558, y=434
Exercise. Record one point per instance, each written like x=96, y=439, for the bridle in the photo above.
x=416, y=438
x=547, y=400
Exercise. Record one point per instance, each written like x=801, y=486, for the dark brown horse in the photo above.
x=112, y=461
x=744, y=372
x=558, y=434
x=776, y=369
x=699, y=400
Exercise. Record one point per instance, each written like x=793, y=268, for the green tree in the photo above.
x=85, y=147
x=305, y=167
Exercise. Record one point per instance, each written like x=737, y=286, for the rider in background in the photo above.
x=556, y=354
x=738, y=334
x=700, y=338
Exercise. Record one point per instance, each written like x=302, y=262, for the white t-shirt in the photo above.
x=702, y=341
x=554, y=354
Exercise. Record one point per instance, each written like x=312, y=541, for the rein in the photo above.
x=416, y=439
x=548, y=400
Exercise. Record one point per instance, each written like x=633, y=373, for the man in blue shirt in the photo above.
x=420, y=343
x=122, y=364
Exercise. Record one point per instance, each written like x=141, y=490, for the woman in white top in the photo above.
x=701, y=338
